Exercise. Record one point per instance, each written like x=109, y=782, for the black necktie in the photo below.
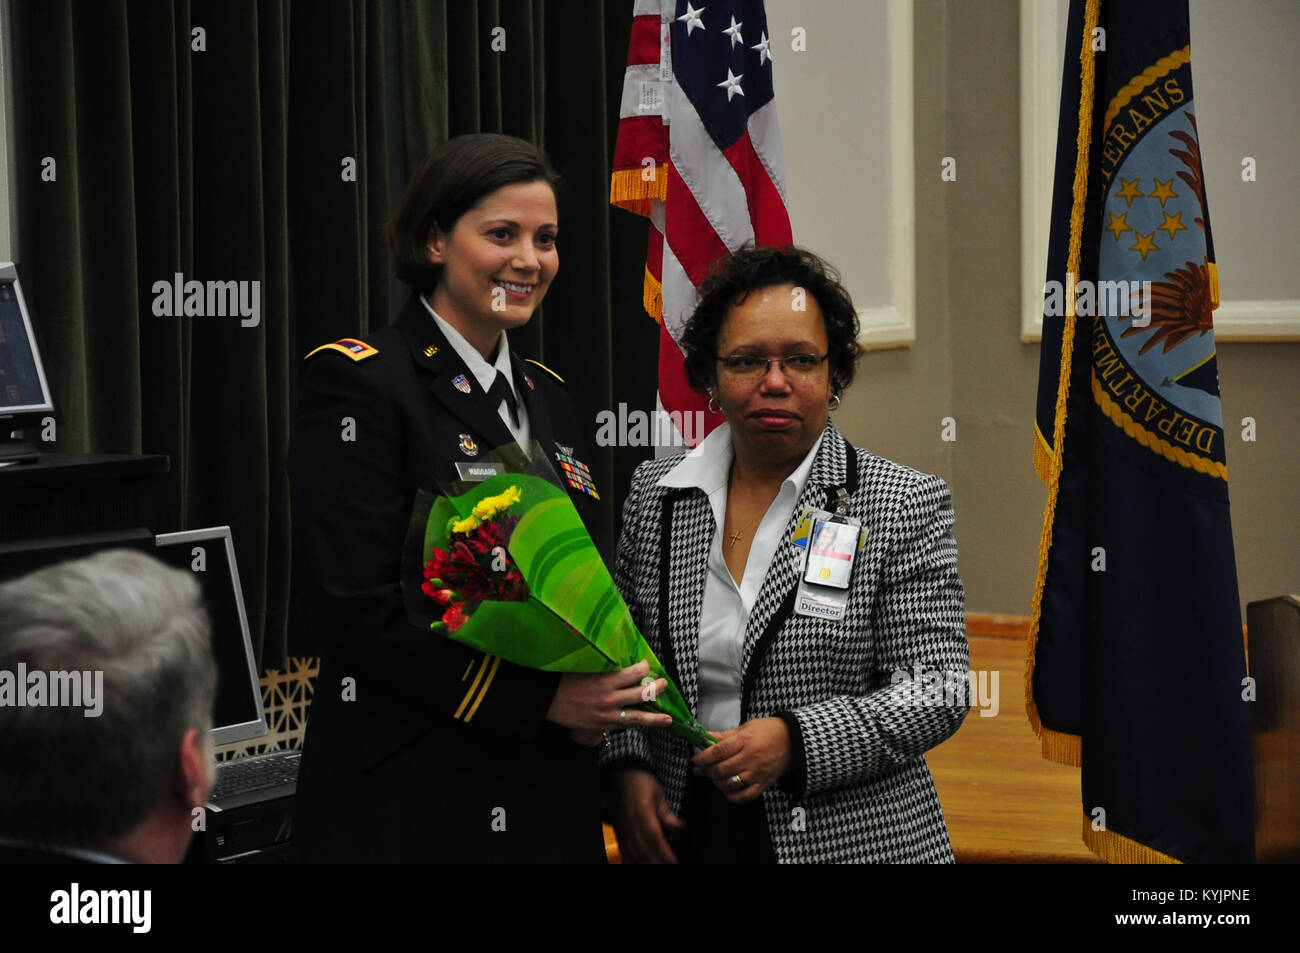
x=502, y=390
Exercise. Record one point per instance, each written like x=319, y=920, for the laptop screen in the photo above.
x=23, y=387
x=210, y=555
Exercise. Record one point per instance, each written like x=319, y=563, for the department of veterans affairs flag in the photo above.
x=1136, y=666
x=699, y=154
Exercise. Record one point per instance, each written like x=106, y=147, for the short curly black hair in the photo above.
x=754, y=267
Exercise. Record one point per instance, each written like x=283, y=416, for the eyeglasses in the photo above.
x=751, y=365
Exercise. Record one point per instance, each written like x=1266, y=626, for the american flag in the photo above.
x=699, y=154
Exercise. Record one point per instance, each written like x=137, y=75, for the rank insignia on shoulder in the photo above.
x=461, y=383
x=468, y=445
x=357, y=350
x=430, y=350
x=545, y=368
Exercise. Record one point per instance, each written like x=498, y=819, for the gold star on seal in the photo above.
x=1172, y=224
x=1164, y=191
x=1144, y=244
x=1130, y=191
x=1118, y=225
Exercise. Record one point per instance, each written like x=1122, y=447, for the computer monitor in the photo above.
x=210, y=555
x=25, y=396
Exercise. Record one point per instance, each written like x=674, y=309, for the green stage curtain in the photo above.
x=214, y=140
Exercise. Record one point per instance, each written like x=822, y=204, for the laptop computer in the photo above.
x=239, y=715
x=26, y=398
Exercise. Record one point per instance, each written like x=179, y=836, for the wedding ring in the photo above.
x=736, y=780
x=622, y=716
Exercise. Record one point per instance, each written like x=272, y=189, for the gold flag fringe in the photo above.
x=1061, y=747
x=1083, y=144
x=1042, y=456
x=652, y=296
x=1118, y=849
x=629, y=189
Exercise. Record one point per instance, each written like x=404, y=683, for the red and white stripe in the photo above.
x=709, y=204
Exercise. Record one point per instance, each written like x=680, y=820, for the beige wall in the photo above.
x=968, y=361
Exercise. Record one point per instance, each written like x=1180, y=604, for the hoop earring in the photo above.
x=713, y=405
x=834, y=402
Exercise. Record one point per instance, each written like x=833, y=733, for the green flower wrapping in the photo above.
x=507, y=567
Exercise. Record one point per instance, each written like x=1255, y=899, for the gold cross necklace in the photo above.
x=734, y=538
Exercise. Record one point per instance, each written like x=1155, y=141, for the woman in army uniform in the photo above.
x=419, y=748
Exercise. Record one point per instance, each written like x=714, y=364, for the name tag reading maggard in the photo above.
x=478, y=471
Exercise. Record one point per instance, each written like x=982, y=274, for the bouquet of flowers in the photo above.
x=506, y=566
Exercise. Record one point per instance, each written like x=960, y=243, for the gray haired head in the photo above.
x=72, y=780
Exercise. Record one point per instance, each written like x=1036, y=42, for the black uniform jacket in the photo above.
x=443, y=754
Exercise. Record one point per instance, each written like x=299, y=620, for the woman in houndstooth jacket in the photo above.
x=822, y=727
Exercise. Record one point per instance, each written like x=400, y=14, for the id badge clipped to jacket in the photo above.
x=833, y=543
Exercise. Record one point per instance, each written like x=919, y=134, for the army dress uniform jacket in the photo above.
x=418, y=748
x=862, y=791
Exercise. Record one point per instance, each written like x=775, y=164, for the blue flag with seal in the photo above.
x=1136, y=667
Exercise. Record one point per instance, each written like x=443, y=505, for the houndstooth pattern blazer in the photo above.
x=868, y=795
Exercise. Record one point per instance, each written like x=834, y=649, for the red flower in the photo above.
x=464, y=572
x=440, y=596
x=513, y=588
x=454, y=617
x=487, y=536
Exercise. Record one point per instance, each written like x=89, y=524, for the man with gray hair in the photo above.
x=107, y=684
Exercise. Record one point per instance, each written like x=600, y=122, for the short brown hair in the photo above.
x=453, y=179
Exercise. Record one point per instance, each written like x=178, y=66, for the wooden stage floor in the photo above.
x=1003, y=802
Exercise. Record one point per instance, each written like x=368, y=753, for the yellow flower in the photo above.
x=468, y=524
x=490, y=507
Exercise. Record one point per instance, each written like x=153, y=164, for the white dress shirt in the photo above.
x=486, y=373
x=726, y=609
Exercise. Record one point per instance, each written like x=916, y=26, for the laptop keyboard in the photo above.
x=244, y=775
